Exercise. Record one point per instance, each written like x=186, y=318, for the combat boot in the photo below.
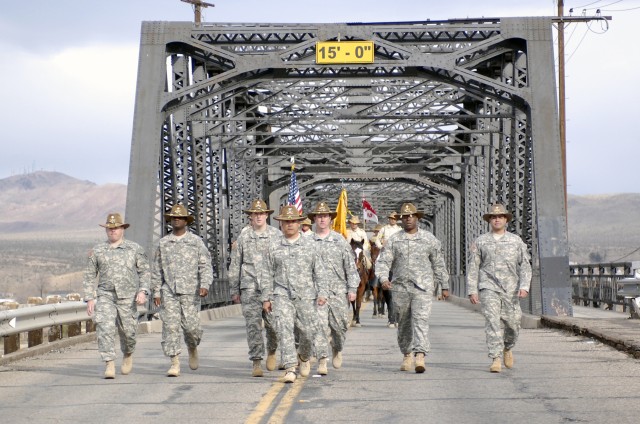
x=271, y=361
x=322, y=366
x=508, y=358
x=257, y=368
x=337, y=359
x=305, y=367
x=419, y=363
x=496, y=366
x=110, y=370
x=174, y=371
x=127, y=364
x=193, y=358
x=406, y=362
x=289, y=375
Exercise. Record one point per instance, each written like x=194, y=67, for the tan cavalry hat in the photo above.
x=114, y=220
x=289, y=213
x=258, y=206
x=410, y=209
x=307, y=221
x=497, y=209
x=354, y=220
x=322, y=208
x=179, y=211
x=377, y=228
x=393, y=215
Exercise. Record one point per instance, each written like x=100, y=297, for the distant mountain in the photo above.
x=49, y=201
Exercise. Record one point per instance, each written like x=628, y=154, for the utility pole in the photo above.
x=561, y=95
x=197, y=9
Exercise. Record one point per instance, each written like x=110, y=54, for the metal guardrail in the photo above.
x=603, y=284
x=15, y=321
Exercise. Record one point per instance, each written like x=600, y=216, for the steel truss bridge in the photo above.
x=451, y=115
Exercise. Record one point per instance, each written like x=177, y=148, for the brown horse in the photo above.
x=361, y=266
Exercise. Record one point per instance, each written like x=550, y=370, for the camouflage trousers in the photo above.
x=502, y=316
x=110, y=313
x=179, y=311
x=254, y=316
x=300, y=314
x=412, y=309
x=334, y=321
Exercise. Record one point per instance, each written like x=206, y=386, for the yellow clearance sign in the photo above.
x=330, y=52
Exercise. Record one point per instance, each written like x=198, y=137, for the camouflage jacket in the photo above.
x=183, y=264
x=413, y=259
x=339, y=262
x=124, y=269
x=294, y=269
x=498, y=265
x=248, y=256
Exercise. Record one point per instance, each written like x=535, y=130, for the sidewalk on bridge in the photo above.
x=615, y=329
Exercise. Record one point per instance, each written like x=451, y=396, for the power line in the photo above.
x=628, y=254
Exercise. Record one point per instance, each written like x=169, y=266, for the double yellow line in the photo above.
x=269, y=402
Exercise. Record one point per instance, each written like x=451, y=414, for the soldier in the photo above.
x=305, y=228
x=293, y=284
x=357, y=234
x=122, y=269
x=246, y=260
x=388, y=230
x=181, y=272
x=414, y=257
x=343, y=279
x=498, y=275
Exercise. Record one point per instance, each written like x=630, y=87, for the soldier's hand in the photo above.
x=157, y=301
x=351, y=297
x=90, y=306
x=386, y=285
x=522, y=294
x=322, y=301
x=445, y=294
x=474, y=299
x=266, y=306
x=203, y=292
x=141, y=298
x=235, y=298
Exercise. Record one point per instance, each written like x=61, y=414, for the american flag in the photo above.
x=294, y=193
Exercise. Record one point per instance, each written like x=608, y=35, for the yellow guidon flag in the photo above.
x=340, y=222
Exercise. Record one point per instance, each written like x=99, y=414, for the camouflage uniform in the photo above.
x=293, y=280
x=181, y=266
x=417, y=264
x=342, y=278
x=246, y=261
x=122, y=272
x=497, y=270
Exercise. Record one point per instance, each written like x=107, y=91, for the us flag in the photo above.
x=294, y=193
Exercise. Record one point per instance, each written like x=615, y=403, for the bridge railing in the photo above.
x=70, y=319
x=599, y=284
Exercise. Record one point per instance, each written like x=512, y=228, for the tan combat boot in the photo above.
x=406, y=362
x=419, y=363
x=110, y=370
x=322, y=366
x=193, y=358
x=337, y=359
x=289, y=375
x=257, y=368
x=127, y=364
x=174, y=371
x=271, y=361
x=496, y=366
x=305, y=367
x=508, y=358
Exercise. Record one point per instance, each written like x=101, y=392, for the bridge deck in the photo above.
x=558, y=377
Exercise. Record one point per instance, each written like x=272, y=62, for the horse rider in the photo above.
x=388, y=230
x=357, y=234
x=305, y=227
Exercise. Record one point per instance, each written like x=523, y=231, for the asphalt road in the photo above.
x=557, y=378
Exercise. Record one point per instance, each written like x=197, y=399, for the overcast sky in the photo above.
x=69, y=69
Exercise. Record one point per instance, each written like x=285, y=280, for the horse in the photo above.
x=380, y=296
x=361, y=266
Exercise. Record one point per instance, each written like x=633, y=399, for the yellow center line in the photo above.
x=286, y=403
x=282, y=408
x=265, y=403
